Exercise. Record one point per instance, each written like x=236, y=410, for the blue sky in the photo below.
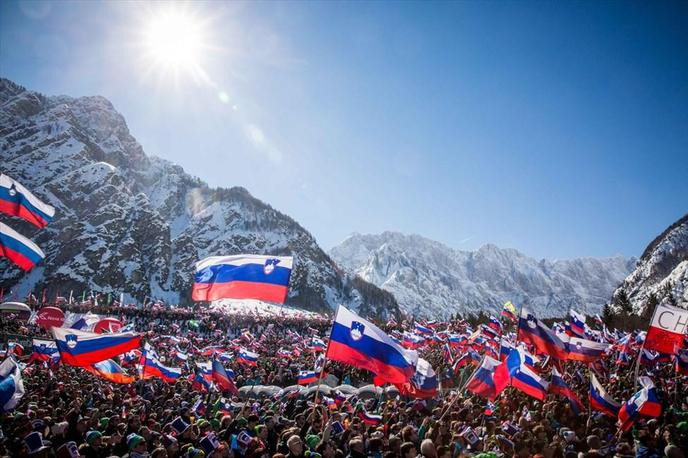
x=557, y=128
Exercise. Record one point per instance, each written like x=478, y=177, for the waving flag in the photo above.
x=643, y=404
x=222, y=378
x=523, y=378
x=576, y=325
x=495, y=325
x=11, y=385
x=369, y=419
x=560, y=387
x=306, y=377
x=587, y=351
x=535, y=332
x=360, y=343
x=79, y=348
x=484, y=383
x=16, y=200
x=110, y=370
x=248, y=357
x=423, y=384
x=667, y=329
x=18, y=249
x=44, y=350
x=152, y=367
x=420, y=329
x=509, y=311
x=244, y=276
x=600, y=400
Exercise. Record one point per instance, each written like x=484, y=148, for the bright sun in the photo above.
x=173, y=41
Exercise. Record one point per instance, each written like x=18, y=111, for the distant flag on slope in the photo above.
x=360, y=343
x=423, y=329
x=11, y=385
x=643, y=404
x=18, y=249
x=248, y=357
x=667, y=329
x=245, y=276
x=16, y=200
x=110, y=370
x=600, y=400
x=576, y=325
x=78, y=348
x=560, y=387
x=495, y=325
x=509, y=311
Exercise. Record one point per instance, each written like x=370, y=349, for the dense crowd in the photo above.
x=68, y=411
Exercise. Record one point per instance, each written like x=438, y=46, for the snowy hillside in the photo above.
x=430, y=279
x=662, y=271
x=128, y=222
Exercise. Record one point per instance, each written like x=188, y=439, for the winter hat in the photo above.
x=133, y=440
x=92, y=436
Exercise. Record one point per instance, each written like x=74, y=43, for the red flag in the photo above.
x=667, y=329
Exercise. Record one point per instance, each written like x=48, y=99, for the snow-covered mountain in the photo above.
x=128, y=222
x=662, y=271
x=431, y=279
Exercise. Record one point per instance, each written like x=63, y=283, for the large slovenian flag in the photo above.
x=560, y=387
x=152, y=367
x=44, y=350
x=79, y=348
x=18, y=249
x=11, y=385
x=535, y=332
x=244, y=276
x=111, y=371
x=360, y=343
x=18, y=201
x=600, y=400
x=643, y=404
x=667, y=329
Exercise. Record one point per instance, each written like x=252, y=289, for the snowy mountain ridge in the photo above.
x=128, y=222
x=429, y=278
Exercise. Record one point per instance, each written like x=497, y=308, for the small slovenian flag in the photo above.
x=600, y=400
x=18, y=249
x=222, y=378
x=79, y=348
x=18, y=201
x=317, y=344
x=205, y=368
x=45, y=350
x=422, y=329
x=643, y=404
x=490, y=408
x=248, y=357
x=154, y=368
x=244, y=276
x=109, y=370
x=306, y=377
x=369, y=419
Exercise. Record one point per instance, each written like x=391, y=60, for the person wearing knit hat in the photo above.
x=136, y=445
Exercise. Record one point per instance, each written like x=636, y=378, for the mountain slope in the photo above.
x=662, y=271
x=128, y=222
x=430, y=279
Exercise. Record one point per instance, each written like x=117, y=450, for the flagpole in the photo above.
x=640, y=353
x=460, y=390
x=322, y=369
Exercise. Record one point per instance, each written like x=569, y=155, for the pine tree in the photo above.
x=621, y=300
x=650, y=305
x=607, y=314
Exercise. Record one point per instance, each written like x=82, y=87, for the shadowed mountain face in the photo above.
x=662, y=271
x=128, y=222
x=430, y=279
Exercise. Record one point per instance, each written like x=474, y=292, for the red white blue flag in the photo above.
x=360, y=343
x=560, y=387
x=110, y=370
x=152, y=367
x=243, y=276
x=18, y=201
x=600, y=400
x=18, y=249
x=643, y=404
x=79, y=348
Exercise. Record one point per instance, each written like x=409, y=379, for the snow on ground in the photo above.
x=259, y=308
